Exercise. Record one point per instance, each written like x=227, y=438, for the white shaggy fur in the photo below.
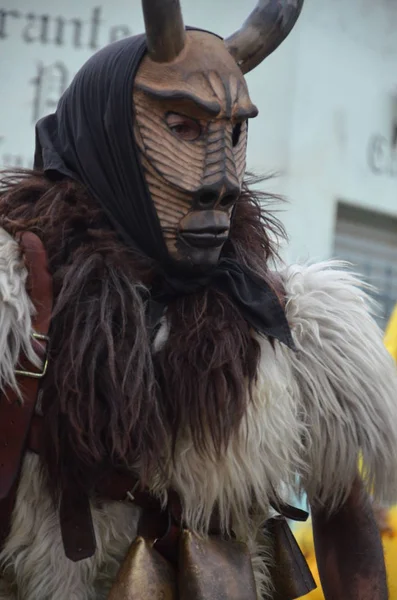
x=15, y=313
x=346, y=384
x=313, y=411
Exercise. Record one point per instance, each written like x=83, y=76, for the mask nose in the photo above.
x=216, y=196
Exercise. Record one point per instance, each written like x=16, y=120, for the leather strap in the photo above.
x=16, y=417
x=77, y=529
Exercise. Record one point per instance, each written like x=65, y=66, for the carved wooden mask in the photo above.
x=191, y=128
x=191, y=109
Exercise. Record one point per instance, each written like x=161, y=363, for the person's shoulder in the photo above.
x=324, y=285
x=328, y=297
x=346, y=381
x=16, y=309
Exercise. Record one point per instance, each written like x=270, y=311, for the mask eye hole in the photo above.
x=236, y=134
x=183, y=127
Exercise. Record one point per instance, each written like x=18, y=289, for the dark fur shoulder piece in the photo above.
x=107, y=400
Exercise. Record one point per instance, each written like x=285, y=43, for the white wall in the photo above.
x=321, y=96
x=347, y=74
x=27, y=61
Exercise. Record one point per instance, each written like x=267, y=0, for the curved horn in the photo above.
x=165, y=31
x=264, y=30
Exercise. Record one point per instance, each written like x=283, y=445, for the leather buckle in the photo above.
x=36, y=374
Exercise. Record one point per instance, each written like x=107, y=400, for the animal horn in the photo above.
x=264, y=30
x=165, y=31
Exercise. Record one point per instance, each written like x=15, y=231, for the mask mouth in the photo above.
x=208, y=237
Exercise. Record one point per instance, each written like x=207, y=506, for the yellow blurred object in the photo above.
x=304, y=537
x=390, y=338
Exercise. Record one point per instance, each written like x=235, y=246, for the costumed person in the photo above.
x=161, y=385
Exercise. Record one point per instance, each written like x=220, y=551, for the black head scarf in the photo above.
x=90, y=138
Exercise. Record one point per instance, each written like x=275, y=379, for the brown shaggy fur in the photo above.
x=107, y=401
